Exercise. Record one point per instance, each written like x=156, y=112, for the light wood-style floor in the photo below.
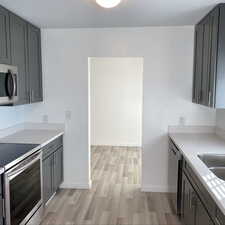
x=115, y=197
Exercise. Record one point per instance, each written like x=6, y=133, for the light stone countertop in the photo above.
x=193, y=144
x=35, y=136
x=31, y=133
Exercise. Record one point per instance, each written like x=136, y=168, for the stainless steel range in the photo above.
x=22, y=183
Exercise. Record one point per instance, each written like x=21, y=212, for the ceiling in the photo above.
x=130, y=13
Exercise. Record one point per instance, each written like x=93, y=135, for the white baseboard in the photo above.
x=76, y=185
x=155, y=188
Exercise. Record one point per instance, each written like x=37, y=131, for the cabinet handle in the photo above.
x=209, y=98
x=192, y=199
x=32, y=95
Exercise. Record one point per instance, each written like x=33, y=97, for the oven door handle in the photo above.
x=23, y=165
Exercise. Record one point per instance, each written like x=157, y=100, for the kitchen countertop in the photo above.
x=193, y=144
x=33, y=136
x=31, y=133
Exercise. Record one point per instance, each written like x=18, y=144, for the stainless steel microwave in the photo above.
x=8, y=84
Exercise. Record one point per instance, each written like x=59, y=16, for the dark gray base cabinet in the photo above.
x=193, y=211
x=198, y=207
x=52, y=169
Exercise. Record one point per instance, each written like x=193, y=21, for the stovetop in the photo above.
x=10, y=153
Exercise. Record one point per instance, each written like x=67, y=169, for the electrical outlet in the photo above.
x=45, y=118
x=68, y=115
x=182, y=121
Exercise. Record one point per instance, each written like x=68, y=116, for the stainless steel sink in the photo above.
x=215, y=163
x=213, y=160
x=219, y=172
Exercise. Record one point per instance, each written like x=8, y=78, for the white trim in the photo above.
x=76, y=185
x=155, y=188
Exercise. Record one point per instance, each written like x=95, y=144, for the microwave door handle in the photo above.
x=14, y=85
x=9, y=81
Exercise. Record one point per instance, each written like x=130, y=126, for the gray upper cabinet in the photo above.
x=20, y=45
x=5, y=54
x=34, y=64
x=209, y=70
x=18, y=33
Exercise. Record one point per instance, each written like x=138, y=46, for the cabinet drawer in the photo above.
x=52, y=146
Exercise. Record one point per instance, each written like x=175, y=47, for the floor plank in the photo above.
x=115, y=197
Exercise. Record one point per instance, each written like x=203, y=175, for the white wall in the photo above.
x=168, y=57
x=10, y=116
x=220, y=118
x=116, y=101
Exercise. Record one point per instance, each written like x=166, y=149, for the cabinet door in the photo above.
x=214, y=21
x=5, y=56
x=18, y=33
x=47, y=174
x=58, y=168
x=197, y=79
x=202, y=217
x=206, y=61
x=34, y=64
x=188, y=202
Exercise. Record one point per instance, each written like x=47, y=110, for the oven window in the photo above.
x=25, y=193
x=3, y=85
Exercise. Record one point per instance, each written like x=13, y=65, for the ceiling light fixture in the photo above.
x=108, y=3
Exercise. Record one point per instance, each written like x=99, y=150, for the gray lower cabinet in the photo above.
x=57, y=168
x=202, y=217
x=193, y=211
x=20, y=45
x=5, y=54
x=18, y=33
x=52, y=168
x=34, y=64
x=188, y=202
x=47, y=178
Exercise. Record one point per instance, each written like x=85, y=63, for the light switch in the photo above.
x=68, y=114
x=182, y=121
x=45, y=118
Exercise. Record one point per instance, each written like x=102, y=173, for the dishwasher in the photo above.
x=175, y=176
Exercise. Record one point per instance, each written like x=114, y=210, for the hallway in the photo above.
x=115, y=197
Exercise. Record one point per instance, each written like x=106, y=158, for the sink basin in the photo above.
x=213, y=160
x=219, y=172
x=215, y=163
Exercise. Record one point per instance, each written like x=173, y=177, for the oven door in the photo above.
x=8, y=84
x=23, y=190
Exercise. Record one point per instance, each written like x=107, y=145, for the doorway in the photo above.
x=115, y=117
